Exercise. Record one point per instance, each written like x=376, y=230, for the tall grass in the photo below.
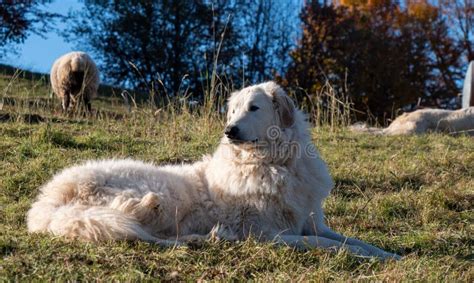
x=326, y=108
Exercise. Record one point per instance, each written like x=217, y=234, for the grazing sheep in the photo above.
x=75, y=76
x=424, y=121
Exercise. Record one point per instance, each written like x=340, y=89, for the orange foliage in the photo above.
x=367, y=4
x=382, y=55
x=422, y=10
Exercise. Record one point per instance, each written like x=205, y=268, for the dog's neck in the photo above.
x=247, y=168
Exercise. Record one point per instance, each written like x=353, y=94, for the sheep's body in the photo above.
x=74, y=76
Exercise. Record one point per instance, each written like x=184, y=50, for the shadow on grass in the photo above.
x=354, y=188
x=25, y=118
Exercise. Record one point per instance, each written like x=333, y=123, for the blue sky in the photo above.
x=38, y=53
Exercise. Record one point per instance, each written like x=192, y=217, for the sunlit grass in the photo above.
x=409, y=195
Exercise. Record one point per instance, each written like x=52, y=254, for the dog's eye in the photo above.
x=254, y=108
x=233, y=111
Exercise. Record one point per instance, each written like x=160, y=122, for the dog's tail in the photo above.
x=58, y=212
x=89, y=223
x=364, y=128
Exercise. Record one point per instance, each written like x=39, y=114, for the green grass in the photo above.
x=409, y=195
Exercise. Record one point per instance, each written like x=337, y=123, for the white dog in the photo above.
x=266, y=179
x=425, y=121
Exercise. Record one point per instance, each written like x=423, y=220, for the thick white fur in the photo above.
x=63, y=79
x=122, y=199
x=268, y=186
x=426, y=120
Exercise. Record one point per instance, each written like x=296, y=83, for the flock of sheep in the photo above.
x=75, y=80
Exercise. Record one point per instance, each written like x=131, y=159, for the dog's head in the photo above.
x=258, y=113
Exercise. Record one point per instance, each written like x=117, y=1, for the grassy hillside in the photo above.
x=409, y=195
x=26, y=92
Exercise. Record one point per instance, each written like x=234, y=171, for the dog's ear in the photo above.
x=284, y=106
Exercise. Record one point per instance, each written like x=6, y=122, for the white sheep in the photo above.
x=74, y=76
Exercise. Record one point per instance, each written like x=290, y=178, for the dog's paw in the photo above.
x=358, y=251
x=168, y=243
x=150, y=200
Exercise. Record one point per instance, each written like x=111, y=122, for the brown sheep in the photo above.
x=74, y=76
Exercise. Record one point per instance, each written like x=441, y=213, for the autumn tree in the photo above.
x=444, y=51
x=383, y=55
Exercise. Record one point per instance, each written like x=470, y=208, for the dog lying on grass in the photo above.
x=425, y=121
x=266, y=180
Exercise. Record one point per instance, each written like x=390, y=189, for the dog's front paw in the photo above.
x=358, y=251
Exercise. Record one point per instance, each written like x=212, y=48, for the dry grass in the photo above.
x=410, y=195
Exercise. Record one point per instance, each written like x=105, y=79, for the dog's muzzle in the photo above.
x=232, y=132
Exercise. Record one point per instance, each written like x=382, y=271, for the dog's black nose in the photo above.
x=232, y=132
